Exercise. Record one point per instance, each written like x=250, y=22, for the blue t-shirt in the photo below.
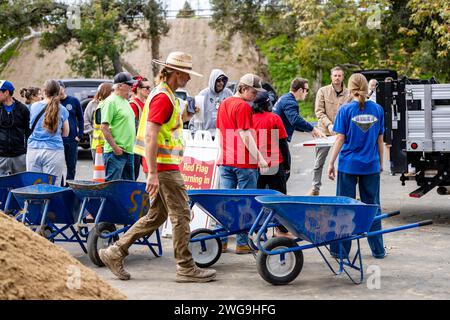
x=9, y=108
x=359, y=154
x=41, y=138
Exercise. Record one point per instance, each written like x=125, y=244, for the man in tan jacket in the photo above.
x=328, y=101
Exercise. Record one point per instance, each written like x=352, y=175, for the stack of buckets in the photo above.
x=99, y=166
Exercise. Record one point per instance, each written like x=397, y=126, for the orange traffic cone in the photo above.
x=99, y=166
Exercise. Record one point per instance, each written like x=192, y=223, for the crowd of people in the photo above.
x=137, y=125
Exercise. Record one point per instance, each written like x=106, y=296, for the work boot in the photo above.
x=243, y=249
x=195, y=274
x=113, y=257
x=313, y=192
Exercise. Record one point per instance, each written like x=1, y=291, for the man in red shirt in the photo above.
x=160, y=133
x=239, y=159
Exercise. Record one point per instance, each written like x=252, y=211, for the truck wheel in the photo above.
x=275, y=270
x=95, y=243
x=205, y=253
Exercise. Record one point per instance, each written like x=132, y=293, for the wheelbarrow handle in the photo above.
x=392, y=213
x=386, y=215
x=404, y=227
x=425, y=223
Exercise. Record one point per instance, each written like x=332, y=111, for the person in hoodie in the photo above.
x=214, y=94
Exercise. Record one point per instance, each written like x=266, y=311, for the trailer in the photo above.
x=417, y=126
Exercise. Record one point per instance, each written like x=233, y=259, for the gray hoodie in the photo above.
x=211, y=103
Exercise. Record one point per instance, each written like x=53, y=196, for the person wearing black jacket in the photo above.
x=288, y=110
x=76, y=124
x=14, y=131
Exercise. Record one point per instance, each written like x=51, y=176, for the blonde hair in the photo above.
x=163, y=75
x=358, y=87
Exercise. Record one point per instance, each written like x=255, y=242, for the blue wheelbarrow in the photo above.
x=319, y=222
x=8, y=203
x=234, y=212
x=112, y=203
x=50, y=211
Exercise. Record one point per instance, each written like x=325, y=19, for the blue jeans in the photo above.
x=71, y=156
x=119, y=167
x=236, y=178
x=369, y=190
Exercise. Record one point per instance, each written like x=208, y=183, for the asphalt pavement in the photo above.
x=417, y=265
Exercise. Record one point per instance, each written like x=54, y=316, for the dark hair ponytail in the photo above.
x=51, y=117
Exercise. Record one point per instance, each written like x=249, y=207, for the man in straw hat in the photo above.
x=160, y=140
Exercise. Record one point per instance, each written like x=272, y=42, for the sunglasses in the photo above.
x=306, y=89
x=146, y=87
x=221, y=80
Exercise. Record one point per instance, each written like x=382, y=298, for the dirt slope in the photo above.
x=34, y=268
x=194, y=36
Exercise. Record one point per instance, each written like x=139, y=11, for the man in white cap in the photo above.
x=240, y=157
x=160, y=140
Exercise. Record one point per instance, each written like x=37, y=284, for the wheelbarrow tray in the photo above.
x=321, y=219
x=63, y=205
x=124, y=201
x=234, y=209
x=19, y=180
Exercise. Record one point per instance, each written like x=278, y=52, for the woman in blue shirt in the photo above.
x=45, y=145
x=359, y=126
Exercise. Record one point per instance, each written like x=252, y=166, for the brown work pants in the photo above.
x=171, y=200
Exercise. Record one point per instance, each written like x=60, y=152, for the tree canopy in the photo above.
x=100, y=35
x=309, y=37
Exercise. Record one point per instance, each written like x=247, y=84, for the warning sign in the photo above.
x=199, y=170
x=197, y=174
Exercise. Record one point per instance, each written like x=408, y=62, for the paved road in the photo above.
x=417, y=265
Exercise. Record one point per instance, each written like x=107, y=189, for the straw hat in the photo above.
x=178, y=61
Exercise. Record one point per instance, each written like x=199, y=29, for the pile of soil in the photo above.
x=34, y=268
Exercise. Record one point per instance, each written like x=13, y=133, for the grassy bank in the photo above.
x=5, y=56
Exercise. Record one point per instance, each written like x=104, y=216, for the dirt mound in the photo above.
x=34, y=268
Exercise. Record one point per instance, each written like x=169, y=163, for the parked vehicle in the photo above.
x=417, y=125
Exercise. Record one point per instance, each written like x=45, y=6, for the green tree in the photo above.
x=155, y=16
x=102, y=39
x=100, y=42
x=429, y=30
x=186, y=11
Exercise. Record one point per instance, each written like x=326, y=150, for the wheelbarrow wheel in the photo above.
x=46, y=233
x=205, y=258
x=95, y=242
x=275, y=270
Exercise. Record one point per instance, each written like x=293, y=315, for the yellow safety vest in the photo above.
x=170, y=137
x=97, y=134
